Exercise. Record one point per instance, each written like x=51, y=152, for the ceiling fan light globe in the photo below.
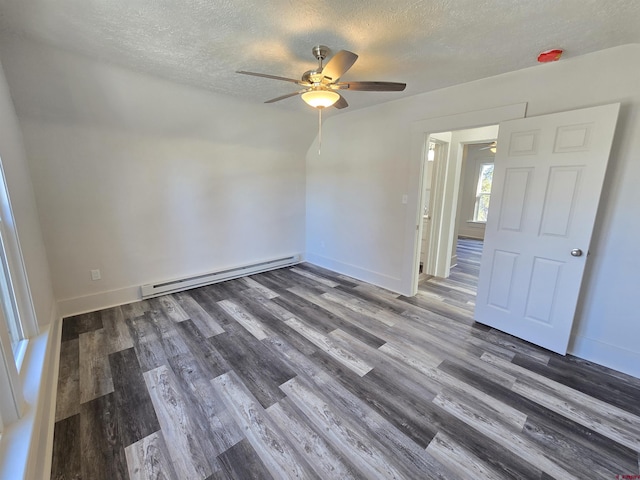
x=320, y=98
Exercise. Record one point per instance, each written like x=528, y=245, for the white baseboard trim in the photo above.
x=27, y=444
x=98, y=301
x=380, y=279
x=625, y=361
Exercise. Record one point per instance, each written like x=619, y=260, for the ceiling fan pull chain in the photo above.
x=319, y=130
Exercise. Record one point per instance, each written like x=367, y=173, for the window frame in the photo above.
x=479, y=193
x=12, y=401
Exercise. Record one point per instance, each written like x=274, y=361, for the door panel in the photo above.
x=516, y=188
x=548, y=176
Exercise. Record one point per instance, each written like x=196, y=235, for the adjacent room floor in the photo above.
x=303, y=373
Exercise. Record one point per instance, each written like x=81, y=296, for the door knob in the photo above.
x=576, y=252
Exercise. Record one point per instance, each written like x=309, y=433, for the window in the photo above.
x=7, y=299
x=483, y=192
x=17, y=318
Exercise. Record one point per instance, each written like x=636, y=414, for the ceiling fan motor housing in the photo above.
x=312, y=76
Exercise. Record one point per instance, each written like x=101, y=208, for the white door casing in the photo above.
x=548, y=176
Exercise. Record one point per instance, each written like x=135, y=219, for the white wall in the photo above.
x=148, y=180
x=356, y=220
x=25, y=216
x=21, y=444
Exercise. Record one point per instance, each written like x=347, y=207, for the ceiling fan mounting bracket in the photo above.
x=321, y=52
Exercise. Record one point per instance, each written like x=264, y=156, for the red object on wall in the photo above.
x=550, y=55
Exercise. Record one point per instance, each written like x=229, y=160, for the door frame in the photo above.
x=441, y=156
x=420, y=131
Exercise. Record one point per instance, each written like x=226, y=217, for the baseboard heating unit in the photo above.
x=172, y=286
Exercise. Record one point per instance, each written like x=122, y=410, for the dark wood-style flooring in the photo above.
x=303, y=373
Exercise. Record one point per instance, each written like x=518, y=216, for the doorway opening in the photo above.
x=454, y=195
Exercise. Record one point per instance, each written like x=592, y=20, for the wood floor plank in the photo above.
x=169, y=307
x=273, y=315
x=364, y=321
x=217, y=429
x=95, y=372
x=610, y=421
x=207, y=325
x=135, y=309
x=288, y=280
x=508, y=413
x=326, y=344
x=324, y=459
x=266, y=292
x=244, y=318
x=625, y=396
x=341, y=280
x=117, y=333
x=201, y=404
x=314, y=277
x=420, y=419
x=385, y=301
x=148, y=459
x=137, y=417
x=147, y=343
x=102, y=452
x=259, y=369
x=402, y=409
x=211, y=362
x=560, y=431
x=365, y=453
x=187, y=456
x=72, y=327
x=240, y=462
x=496, y=431
x=68, y=397
x=167, y=328
x=277, y=454
x=358, y=306
x=318, y=316
x=67, y=449
x=458, y=459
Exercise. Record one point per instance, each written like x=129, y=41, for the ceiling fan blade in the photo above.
x=491, y=145
x=339, y=64
x=277, y=99
x=341, y=103
x=274, y=77
x=372, y=86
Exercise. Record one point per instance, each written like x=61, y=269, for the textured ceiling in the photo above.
x=428, y=44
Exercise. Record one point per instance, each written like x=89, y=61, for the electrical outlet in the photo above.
x=405, y=199
x=95, y=274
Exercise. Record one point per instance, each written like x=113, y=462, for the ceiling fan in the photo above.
x=493, y=146
x=320, y=85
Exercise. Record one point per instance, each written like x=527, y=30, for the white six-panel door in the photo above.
x=547, y=181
